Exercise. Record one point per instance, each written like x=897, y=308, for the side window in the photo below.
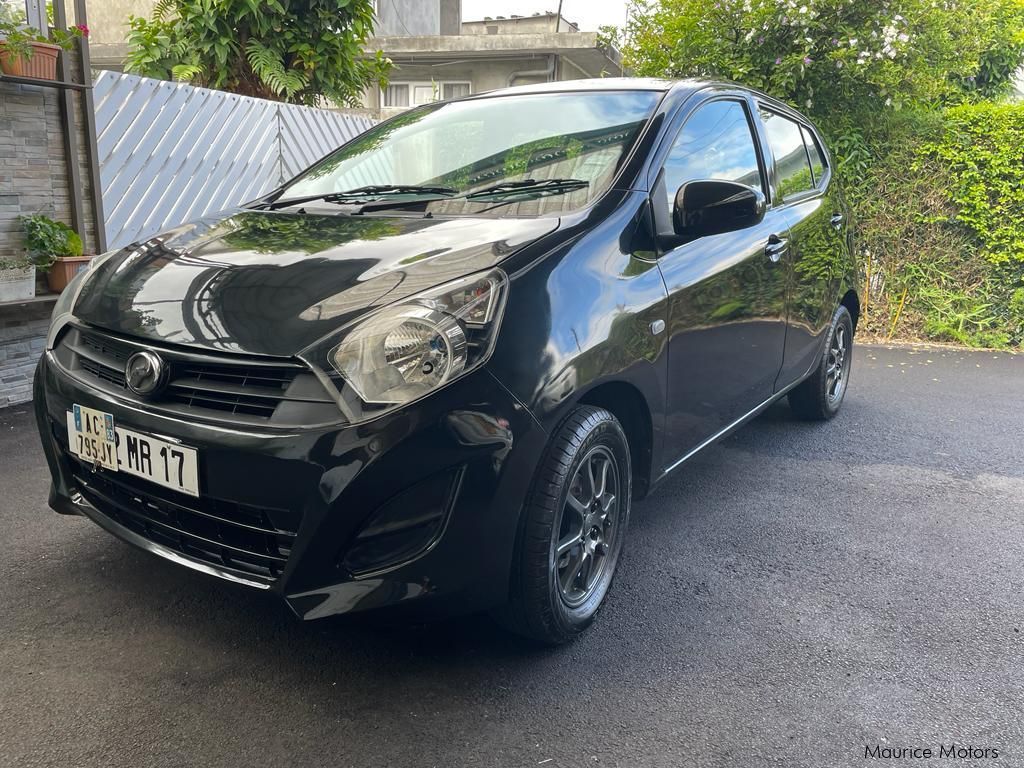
x=814, y=152
x=715, y=143
x=791, y=164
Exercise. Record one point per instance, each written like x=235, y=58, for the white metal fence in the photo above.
x=170, y=152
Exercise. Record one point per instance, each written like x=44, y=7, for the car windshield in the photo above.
x=559, y=151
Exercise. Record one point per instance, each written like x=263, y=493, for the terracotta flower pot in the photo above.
x=63, y=270
x=42, y=65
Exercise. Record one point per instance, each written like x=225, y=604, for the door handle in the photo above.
x=837, y=220
x=776, y=248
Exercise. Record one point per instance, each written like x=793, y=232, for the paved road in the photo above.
x=794, y=593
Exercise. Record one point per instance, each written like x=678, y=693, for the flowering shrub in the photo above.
x=829, y=56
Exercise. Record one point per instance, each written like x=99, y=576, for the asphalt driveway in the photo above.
x=793, y=594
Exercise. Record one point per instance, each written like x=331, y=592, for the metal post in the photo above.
x=89, y=116
x=35, y=14
x=67, y=120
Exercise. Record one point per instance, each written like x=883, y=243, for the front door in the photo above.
x=817, y=247
x=727, y=292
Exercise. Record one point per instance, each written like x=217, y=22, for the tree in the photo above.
x=299, y=51
x=835, y=58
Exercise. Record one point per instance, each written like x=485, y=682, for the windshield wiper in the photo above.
x=359, y=194
x=529, y=187
x=397, y=189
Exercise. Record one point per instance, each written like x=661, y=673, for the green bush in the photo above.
x=298, y=52
x=940, y=219
x=983, y=148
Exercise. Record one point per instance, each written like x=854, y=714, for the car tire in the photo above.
x=820, y=395
x=582, y=488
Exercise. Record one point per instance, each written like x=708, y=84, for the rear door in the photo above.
x=727, y=292
x=803, y=189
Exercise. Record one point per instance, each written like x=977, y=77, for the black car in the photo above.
x=432, y=372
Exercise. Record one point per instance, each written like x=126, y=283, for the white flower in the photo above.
x=888, y=102
x=803, y=9
x=810, y=103
x=904, y=37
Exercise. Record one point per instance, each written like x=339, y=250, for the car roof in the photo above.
x=684, y=87
x=592, y=84
x=687, y=85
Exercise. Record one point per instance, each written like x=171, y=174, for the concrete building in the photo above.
x=108, y=29
x=436, y=59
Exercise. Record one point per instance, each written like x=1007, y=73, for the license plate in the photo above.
x=94, y=438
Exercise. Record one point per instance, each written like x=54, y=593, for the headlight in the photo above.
x=406, y=351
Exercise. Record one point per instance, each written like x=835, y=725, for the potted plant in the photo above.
x=27, y=52
x=18, y=276
x=55, y=246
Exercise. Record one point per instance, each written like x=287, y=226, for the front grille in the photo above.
x=252, y=541
x=216, y=387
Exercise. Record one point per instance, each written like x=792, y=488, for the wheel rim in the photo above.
x=838, y=363
x=587, y=526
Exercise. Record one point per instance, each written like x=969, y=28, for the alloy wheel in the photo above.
x=836, y=371
x=588, y=526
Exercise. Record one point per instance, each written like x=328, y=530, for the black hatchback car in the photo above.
x=434, y=370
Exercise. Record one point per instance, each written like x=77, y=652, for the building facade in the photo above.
x=436, y=60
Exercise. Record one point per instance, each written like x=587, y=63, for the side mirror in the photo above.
x=711, y=207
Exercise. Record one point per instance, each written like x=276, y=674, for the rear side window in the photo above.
x=791, y=163
x=715, y=143
x=814, y=152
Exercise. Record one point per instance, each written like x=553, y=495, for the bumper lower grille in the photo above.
x=254, y=542
x=215, y=387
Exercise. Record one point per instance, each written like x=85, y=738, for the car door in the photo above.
x=815, y=215
x=727, y=292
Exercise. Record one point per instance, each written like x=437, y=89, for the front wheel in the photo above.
x=573, y=528
x=820, y=395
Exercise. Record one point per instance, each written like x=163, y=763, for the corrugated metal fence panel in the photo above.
x=308, y=134
x=170, y=152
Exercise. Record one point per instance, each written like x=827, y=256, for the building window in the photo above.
x=455, y=90
x=397, y=95
x=412, y=94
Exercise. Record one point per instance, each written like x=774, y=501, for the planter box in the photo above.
x=42, y=65
x=63, y=270
x=17, y=284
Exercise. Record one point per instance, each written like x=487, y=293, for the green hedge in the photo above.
x=941, y=212
x=983, y=147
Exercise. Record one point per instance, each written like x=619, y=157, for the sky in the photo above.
x=589, y=14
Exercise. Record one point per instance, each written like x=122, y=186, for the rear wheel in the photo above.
x=573, y=528
x=820, y=396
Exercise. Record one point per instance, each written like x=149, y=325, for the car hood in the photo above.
x=272, y=283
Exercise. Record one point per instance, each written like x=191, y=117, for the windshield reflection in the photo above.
x=474, y=144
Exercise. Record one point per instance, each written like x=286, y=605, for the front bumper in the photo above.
x=312, y=495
